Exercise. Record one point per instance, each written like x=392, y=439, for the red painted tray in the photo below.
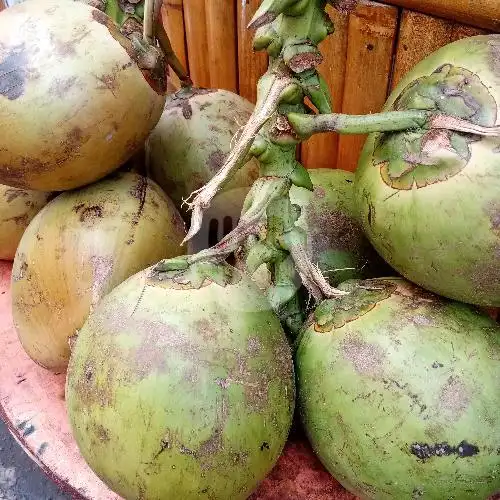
x=32, y=405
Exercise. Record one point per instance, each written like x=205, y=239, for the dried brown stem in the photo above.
x=236, y=158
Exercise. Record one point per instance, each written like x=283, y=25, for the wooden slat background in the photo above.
x=365, y=58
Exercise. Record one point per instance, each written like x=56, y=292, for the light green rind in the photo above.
x=444, y=236
x=192, y=139
x=335, y=238
x=206, y=370
x=414, y=369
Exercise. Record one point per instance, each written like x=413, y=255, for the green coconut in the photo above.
x=17, y=209
x=181, y=386
x=77, y=249
x=193, y=138
x=398, y=390
x=429, y=200
x=74, y=103
x=335, y=238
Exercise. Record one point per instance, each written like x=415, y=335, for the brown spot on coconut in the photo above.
x=58, y=106
x=79, y=247
x=17, y=209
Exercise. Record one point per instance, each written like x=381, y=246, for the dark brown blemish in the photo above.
x=216, y=160
x=415, y=398
x=205, y=105
x=74, y=140
x=264, y=446
x=305, y=61
x=425, y=451
x=371, y=214
x=13, y=73
x=68, y=48
x=187, y=110
x=13, y=194
x=366, y=358
x=88, y=214
x=370, y=46
x=182, y=100
x=164, y=445
x=102, y=433
x=23, y=269
x=108, y=82
x=20, y=220
x=139, y=191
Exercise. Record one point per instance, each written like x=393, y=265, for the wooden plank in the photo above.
x=480, y=13
x=196, y=40
x=173, y=20
x=222, y=44
x=371, y=38
x=321, y=150
x=251, y=65
x=418, y=26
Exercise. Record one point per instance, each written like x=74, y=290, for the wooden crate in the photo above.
x=365, y=58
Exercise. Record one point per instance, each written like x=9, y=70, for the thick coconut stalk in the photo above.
x=290, y=32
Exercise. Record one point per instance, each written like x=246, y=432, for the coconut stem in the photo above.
x=291, y=30
x=307, y=125
x=170, y=56
x=277, y=82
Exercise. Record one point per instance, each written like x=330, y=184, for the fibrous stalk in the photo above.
x=391, y=121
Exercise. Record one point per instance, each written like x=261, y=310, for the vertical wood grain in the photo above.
x=251, y=65
x=371, y=38
x=222, y=45
x=321, y=150
x=481, y=13
x=2, y=5
x=420, y=35
x=173, y=20
x=196, y=41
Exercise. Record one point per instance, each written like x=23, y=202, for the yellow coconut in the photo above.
x=77, y=249
x=17, y=209
x=74, y=105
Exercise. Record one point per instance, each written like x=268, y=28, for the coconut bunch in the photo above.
x=183, y=371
